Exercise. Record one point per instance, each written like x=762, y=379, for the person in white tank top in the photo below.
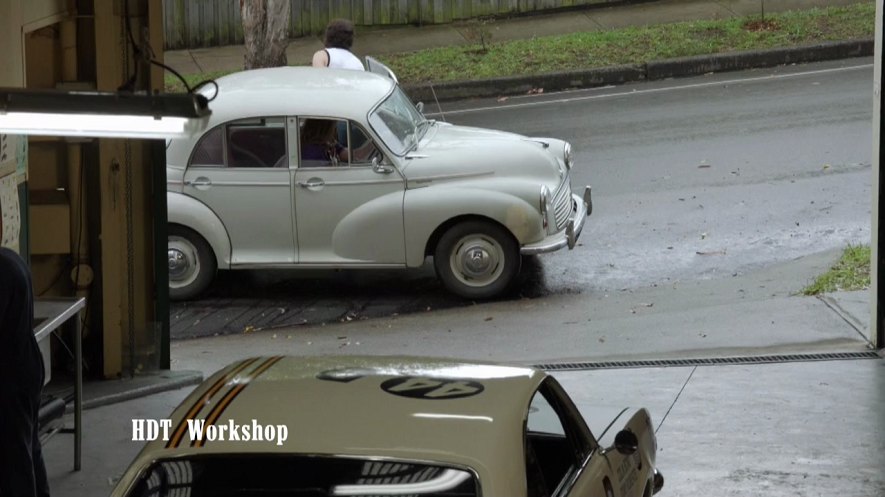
x=337, y=54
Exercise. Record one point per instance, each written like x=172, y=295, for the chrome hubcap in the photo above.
x=184, y=265
x=477, y=260
x=177, y=263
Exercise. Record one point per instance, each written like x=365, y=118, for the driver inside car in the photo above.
x=319, y=142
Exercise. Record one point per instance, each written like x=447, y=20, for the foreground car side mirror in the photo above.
x=380, y=168
x=626, y=443
x=420, y=107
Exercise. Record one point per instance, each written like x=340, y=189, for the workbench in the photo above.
x=50, y=315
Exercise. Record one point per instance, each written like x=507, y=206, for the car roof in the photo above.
x=288, y=90
x=402, y=408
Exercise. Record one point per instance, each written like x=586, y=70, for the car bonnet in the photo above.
x=398, y=408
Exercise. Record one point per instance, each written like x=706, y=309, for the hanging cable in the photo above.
x=149, y=56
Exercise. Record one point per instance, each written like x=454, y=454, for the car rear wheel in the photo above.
x=477, y=259
x=192, y=263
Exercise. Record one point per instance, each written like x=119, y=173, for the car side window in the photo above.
x=554, y=446
x=334, y=142
x=547, y=454
x=210, y=149
x=320, y=142
x=259, y=142
x=363, y=148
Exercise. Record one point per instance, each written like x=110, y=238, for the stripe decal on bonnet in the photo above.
x=230, y=396
x=204, y=401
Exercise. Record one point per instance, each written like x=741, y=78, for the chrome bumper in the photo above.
x=569, y=236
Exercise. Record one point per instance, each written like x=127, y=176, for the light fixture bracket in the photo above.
x=187, y=105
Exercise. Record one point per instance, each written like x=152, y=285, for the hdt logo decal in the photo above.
x=431, y=388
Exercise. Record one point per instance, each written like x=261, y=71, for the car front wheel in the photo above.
x=191, y=263
x=477, y=259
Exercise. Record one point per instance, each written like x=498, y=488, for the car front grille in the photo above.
x=562, y=203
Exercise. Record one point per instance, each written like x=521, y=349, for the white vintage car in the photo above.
x=322, y=168
x=392, y=426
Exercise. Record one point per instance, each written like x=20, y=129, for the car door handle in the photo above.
x=201, y=181
x=311, y=183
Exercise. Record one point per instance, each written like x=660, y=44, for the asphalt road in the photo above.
x=705, y=177
x=695, y=178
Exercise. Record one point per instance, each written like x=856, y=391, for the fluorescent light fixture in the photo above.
x=101, y=114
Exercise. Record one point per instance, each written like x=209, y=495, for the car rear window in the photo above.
x=302, y=476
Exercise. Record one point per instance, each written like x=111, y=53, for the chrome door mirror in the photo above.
x=380, y=168
x=626, y=442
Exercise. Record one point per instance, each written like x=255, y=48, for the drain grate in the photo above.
x=707, y=361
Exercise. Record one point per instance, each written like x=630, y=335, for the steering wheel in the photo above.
x=375, y=153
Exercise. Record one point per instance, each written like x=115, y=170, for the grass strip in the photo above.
x=634, y=45
x=851, y=272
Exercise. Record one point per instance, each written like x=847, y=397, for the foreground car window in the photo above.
x=397, y=122
x=555, y=441
x=548, y=453
x=279, y=475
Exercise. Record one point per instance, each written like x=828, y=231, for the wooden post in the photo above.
x=129, y=321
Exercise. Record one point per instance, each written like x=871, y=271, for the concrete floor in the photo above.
x=794, y=427
x=789, y=429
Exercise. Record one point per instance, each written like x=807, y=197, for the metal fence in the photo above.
x=208, y=23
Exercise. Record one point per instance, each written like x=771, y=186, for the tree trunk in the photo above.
x=266, y=30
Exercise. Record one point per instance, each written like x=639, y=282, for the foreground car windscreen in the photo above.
x=398, y=122
x=279, y=475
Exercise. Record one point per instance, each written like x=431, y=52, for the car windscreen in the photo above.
x=397, y=122
x=298, y=475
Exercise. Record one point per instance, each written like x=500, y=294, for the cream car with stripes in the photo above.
x=320, y=168
x=393, y=426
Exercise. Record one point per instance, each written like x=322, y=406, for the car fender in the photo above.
x=640, y=424
x=367, y=233
x=427, y=209
x=191, y=213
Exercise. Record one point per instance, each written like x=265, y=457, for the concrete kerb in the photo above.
x=654, y=70
x=515, y=85
x=691, y=66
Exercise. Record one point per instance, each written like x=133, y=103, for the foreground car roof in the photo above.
x=396, y=407
x=307, y=90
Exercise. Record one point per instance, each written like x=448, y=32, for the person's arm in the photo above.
x=342, y=153
x=320, y=58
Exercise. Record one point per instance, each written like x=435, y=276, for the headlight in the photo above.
x=567, y=155
x=544, y=202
